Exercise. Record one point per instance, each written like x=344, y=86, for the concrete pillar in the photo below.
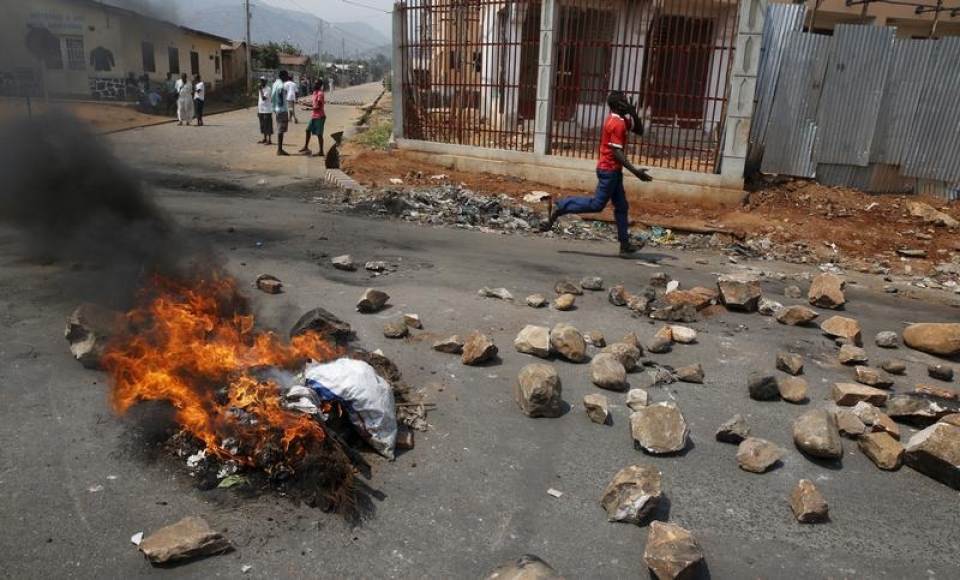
x=743, y=83
x=397, y=68
x=543, y=119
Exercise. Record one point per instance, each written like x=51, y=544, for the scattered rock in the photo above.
x=498, y=293
x=758, y=455
x=671, y=313
x=396, y=329
x=538, y=391
x=665, y=333
x=942, y=339
x=930, y=215
x=372, y=301
x=659, y=345
x=690, y=374
x=189, y=538
x=882, y=449
x=935, y=452
x=699, y=297
x=269, y=284
x=660, y=280
x=451, y=345
x=89, y=330
x=952, y=419
x=595, y=338
x=917, y=409
x=792, y=389
x=763, y=388
x=816, y=434
x=659, y=429
x=739, y=292
x=405, y=437
x=344, y=262
x=593, y=283
x=598, y=408
x=826, y=291
x=567, y=287
x=790, y=363
x=842, y=327
x=940, y=372
x=849, y=394
x=628, y=355
x=872, y=377
x=637, y=398
x=893, y=366
x=564, y=302
x=768, y=307
x=638, y=304
x=568, y=342
x=852, y=355
x=912, y=252
x=887, y=339
x=672, y=552
x=526, y=567
x=808, y=504
x=632, y=339
x=939, y=392
x=533, y=340
x=632, y=496
x=875, y=419
x=323, y=323
x=796, y=316
x=683, y=334
x=848, y=423
x=478, y=349
x=377, y=266
x=672, y=286
x=536, y=301
x=792, y=292
x=618, y=295
x=734, y=430
x=607, y=372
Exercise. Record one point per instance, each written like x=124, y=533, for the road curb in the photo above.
x=343, y=182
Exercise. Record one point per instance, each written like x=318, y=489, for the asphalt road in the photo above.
x=473, y=492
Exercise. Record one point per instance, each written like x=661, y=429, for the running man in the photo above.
x=613, y=138
x=318, y=118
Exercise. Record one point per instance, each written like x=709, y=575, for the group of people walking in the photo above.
x=189, y=97
x=278, y=101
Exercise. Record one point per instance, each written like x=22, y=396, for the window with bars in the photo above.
x=149, y=60
x=76, y=56
x=173, y=60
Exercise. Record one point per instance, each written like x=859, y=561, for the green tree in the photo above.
x=267, y=56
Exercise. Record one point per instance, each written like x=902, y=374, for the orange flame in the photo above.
x=196, y=347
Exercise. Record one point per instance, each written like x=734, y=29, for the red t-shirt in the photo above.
x=613, y=136
x=318, y=102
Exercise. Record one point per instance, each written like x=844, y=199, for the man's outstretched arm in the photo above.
x=620, y=156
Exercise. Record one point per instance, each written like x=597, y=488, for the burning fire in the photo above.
x=195, y=347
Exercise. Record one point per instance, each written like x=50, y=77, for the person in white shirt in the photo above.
x=184, y=100
x=265, y=112
x=199, y=94
x=290, y=92
x=278, y=99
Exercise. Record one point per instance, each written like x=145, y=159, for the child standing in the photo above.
x=318, y=118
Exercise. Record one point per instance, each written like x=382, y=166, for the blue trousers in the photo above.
x=609, y=188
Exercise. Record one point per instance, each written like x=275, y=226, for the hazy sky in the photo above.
x=339, y=11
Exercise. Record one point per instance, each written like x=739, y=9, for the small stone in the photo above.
x=567, y=287
x=872, y=377
x=672, y=552
x=536, y=301
x=683, y=334
x=637, y=398
x=638, y=304
x=875, y=419
x=758, y=455
x=826, y=291
x=792, y=389
x=632, y=496
x=816, y=434
x=632, y=339
x=918, y=409
x=852, y=355
x=534, y=340
x=763, y=388
x=607, y=372
x=941, y=339
x=344, y=262
x=768, y=307
x=664, y=333
x=478, y=349
x=396, y=329
x=269, y=284
x=498, y=293
x=658, y=345
x=568, y=342
x=790, y=363
x=941, y=372
x=405, y=437
x=808, y=504
x=617, y=295
x=659, y=429
x=938, y=392
x=595, y=338
x=598, y=408
x=739, y=292
x=842, y=327
x=413, y=321
x=593, y=283
x=451, y=345
x=796, y=316
x=538, y=391
x=887, y=339
x=893, y=366
x=882, y=449
x=792, y=292
x=690, y=374
x=848, y=423
x=849, y=394
x=929, y=215
x=628, y=355
x=372, y=301
x=935, y=452
x=189, y=538
x=734, y=430
x=526, y=567
x=377, y=266
x=564, y=302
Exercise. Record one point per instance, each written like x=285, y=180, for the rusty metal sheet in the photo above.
x=874, y=178
x=779, y=19
x=852, y=91
x=934, y=152
x=901, y=96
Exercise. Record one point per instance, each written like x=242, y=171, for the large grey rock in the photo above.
x=672, y=552
x=633, y=494
x=536, y=301
x=758, y=455
x=942, y=339
x=607, y=372
x=763, y=388
x=887, y=339
x=526, y=567
x=659, y=429
x=628, y=354
x=739, y=292
x=734, y=430
x=690, y=374
x=917, y=409
x=324, y=324
x=848, y=423
x=478, y=349
x=89, y=330
x=538, y=391
x=567, y=287
x=852, y=355
x=533, y=340
x=826, y=291
x=816, y=434
x=594, y=283
x=935, y=452
x=843, y=327
x=941, y=372
x=568, y=342
x=808, y=504
x=189, y=538
x=618, y=296
x=372, y=301
x=637, y=398
x=768, y=307
x=344, y=262
x=597, y=408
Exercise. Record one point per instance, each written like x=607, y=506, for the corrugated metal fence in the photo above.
x=861, y=108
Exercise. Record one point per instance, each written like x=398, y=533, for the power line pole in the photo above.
x=246, y=12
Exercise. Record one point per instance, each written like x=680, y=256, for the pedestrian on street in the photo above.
x=290, y=92
x=623, y=117
x=265, y=112
x=170, y=94
x=199, y=95
x=184, y=100
x=279, y=100
x=318, y=118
